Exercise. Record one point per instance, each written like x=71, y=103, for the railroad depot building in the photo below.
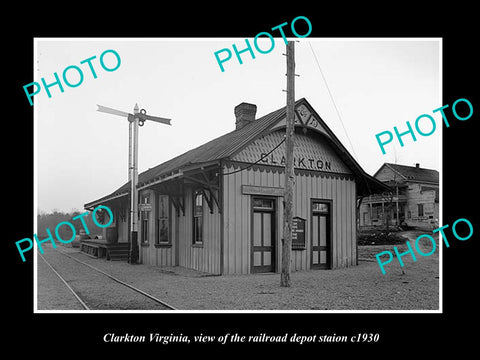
x=219, y=207
x=414, y=199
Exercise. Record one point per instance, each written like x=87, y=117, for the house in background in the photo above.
x=414, y=200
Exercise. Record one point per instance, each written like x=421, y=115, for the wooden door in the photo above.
x=263, y=235
x=320, y=245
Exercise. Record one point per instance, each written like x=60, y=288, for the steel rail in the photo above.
x=120, y=281
x=85, y=306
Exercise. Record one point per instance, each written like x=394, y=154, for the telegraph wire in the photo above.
x=333, y=101
x=338, y=114
x=256, y=162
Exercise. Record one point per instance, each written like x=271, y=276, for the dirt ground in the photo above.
x=412, y=287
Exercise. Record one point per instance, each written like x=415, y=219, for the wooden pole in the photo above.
x=285, y=280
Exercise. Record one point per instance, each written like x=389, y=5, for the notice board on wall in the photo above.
x=298, y=233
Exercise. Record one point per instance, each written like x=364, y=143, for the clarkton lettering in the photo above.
x=63, y=223
x=72, y=80
x=298, y=162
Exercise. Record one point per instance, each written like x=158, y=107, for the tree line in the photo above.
x=51, y=220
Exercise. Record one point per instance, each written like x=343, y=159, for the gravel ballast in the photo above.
x=362, y=287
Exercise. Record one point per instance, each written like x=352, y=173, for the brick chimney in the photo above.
x=417, y=165
x=244, y=114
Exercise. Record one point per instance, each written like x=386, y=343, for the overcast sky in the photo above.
x=82, y=154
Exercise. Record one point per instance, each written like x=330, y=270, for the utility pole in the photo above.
x=135, y=120
x=285, y=280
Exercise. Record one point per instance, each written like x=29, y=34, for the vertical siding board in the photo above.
x=182, y=238
x=351, y=204
x=276, y=182
x=231, y=240
x=206, y=251
x=354, y=212
x=217, y=253
x=215, y=248
x=226, y=219
x=328, y=195
x=348, y=220
x=235, y=222
x=338, y=195
x=185, y=230
x=309, y=181
x=341, y=221
x=299, y=184
x=352, y=222
x=247, y=213
x=346, y=225
x=336, y=223
x=214, y=253
x=333, y=191
x=210, y=251
x=246, y=228
x=173, y=233
x=187, y=226
x=218, y=269
x=296, y=199
x=232, y=225
x=245, y=234
x=238, y=226
x=244, y=237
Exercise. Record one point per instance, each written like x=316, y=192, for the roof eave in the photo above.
x=91, y=205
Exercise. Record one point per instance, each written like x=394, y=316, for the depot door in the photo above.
x=263, y=235
x=320, y=248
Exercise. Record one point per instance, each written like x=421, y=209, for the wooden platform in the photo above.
x=102, y=249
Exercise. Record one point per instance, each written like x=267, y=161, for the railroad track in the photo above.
x=103, y=295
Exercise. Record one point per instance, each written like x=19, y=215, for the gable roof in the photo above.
x=413, y=173
x=229, y=144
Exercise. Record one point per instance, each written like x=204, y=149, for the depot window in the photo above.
x=144, y=219
x=198, y=217
x=163, y=220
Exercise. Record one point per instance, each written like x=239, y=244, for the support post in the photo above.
x=135, y=120
x=133, y=253
x=285, y=280
x=396, y=188
x=130, y=134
